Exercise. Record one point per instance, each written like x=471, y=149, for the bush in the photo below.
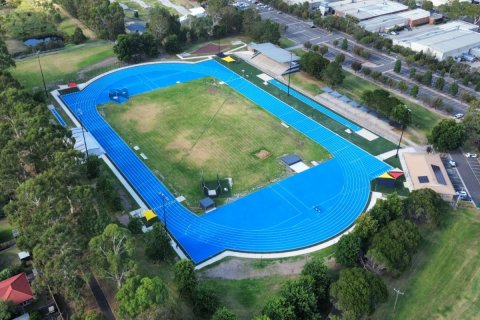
x=78, y=36
x=205, y=301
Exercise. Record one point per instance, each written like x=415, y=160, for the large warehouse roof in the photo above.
x=273, y=52
x=442, y=41
x=383, y=23
x=366, y=9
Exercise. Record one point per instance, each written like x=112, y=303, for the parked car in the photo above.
x=461, y=193
x=471, y=155
x=452, y=163
x=458, y=116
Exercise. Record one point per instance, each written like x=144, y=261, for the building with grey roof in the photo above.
x=279, y=60
x=441, y=41
x=366, y=9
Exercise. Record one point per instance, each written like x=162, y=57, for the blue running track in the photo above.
x=58, y=117
x=297, y=212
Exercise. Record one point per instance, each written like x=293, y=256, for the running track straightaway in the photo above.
x=297, y=212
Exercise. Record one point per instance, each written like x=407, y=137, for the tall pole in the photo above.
x=164, y=197
x=396, y=298
x=289, y=72
x=41, y=72
x=79, y=112
x=400, y=141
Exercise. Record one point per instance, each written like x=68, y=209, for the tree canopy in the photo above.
x=347, y=250
x=447, y=135
x=134, y=47
x=423, y=206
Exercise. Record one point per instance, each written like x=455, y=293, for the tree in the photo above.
x=340, y=58
x=402, y=85
x=112, y=253
x=437, y=103
x=393, y=247
x=134, y=47
x=387, y=210
x=323, y=50
x=347, y=250
x=157, y=243
x=78, y=36
x=7, y=310
x=317, y=270
x=313, y=64
x=205, y=301
x=307, y=45
x=471, y=121
x=185, y=278
x=453, y=90
x=356, y=66
x=139, y=294
x=427, y=5
x=398, y=66
x=172, y=44
x=278, y=308
x=333, y=74
x=402, y=115
x=344, y=44
x=440, y=83
x=423, y=206
x=93, y=167
x=365, y=227
x=414, y=91
x=161, y=23
x=299, y=294
x=413, y=71
x=357, y=292
x=224, y=314
x=427, y=78
x=447, y=135
x=6, y=61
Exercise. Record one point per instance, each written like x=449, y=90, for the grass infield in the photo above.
x=201, y=128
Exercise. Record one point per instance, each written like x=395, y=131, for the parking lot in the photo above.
x=469, y=170
x=453, y=174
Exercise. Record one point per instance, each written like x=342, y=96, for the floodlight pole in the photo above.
x=289, y=72
x=401, y=136
x=41, y=72
x=164, y=197
x=396, y=298
x=80, y=113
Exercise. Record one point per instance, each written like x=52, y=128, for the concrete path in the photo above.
x=387, y=154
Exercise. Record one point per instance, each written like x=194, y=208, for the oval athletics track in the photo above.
x=298, y=212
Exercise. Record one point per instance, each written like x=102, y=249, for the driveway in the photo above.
x=469, y=170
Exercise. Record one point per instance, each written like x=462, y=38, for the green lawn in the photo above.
x=62, y=66
x=9, y=257
x=285, y=42
x=375, y=147
x=443, y=281
x=5, y=230
x=197, y=128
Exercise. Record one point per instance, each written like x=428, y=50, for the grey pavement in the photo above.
x=469, y=170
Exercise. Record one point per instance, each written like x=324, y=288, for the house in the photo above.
x=16, y=289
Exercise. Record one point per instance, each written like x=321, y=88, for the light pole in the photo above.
x=41, y=72
x=289, y=72
x=401, y=135
x=396, y=298
x=80, y=113
x=164, y=198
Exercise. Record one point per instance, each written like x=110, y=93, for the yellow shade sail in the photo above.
x=385, y=176
x=149, y=215
x=228, y=59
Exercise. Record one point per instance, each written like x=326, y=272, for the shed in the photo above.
x=207, y=204
x=291, y=159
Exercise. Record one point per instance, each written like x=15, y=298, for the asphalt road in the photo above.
x=101, y=299
x=469, y=170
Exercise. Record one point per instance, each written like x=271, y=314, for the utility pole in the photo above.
x=41, y=72
x=401, y=135
x=80, y=113
x=289, y=72
x=164, y=198
x=396, y=298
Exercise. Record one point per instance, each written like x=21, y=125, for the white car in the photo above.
x=458, y=116
x=471, y=155
x=461, y=193
x=452, y=163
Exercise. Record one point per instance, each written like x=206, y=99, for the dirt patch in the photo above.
x=263, y=154
x=181, y=144
x=144, y=115
x=202, y=152
x=102, y=64
x=210, y=48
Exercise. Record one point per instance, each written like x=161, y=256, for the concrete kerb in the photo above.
x=287, y=254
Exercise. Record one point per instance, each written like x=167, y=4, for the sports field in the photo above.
x=202, y=127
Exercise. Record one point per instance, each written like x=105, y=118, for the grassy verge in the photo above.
x=9, y=257
x=199, y=129
x=443, y=281
x=5, y=231
x=61, y=66
x=285, y=42
x=375, y=147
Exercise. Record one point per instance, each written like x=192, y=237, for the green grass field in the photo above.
x=61, y=66
x=5, y=230
x=375, y=147
x=194, y=128
x=443, y=281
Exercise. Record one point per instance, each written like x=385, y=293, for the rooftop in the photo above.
x=273, y=52
x=367, y=9
x=16, y=289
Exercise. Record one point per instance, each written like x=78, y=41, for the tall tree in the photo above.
x=6, y=61
x=357, y=292
x=224, y=314
x=112, y=253
x=440, y=83
x=447, y=135
x=333, y=74
x=161, y=23
x=317, y=270
x=423, y=206
x=472, y=123
x=347, y=250
x=157, y=243
x=185, y=278
x=398, y=66
x=387, y=210
x=453, y=90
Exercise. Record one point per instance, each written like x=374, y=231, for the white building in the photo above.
x=401, y=19
x=437, y=3
x=448, y=40
x=366, y=9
